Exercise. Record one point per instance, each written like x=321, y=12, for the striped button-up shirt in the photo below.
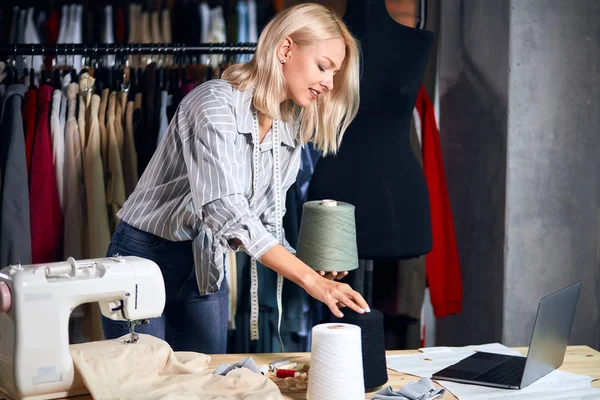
x=198, y=185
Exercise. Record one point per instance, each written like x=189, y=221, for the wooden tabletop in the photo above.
x=579, y=359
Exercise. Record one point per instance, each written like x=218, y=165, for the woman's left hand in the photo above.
x=333, y=275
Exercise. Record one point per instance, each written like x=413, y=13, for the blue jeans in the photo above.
x=190, y=322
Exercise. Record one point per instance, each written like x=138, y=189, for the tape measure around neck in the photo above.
x=254, y=309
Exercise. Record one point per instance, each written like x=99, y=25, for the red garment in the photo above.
x=442, y=266
x=29, y=110
x=120, y=26
x=44, y=206
x=51, y=27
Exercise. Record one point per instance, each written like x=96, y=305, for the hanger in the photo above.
x=31, y=72
x=56, y=78
x=74, y=77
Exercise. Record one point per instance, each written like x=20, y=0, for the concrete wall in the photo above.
x=519, y=116
x=473, y=90
x=553, y=177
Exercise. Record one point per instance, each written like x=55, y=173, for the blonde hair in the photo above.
x=326, y=119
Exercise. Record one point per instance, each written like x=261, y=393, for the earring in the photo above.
x=282, y=61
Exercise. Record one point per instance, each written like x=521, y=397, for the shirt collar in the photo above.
x=243, y=116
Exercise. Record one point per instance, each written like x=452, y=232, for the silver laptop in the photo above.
x=546, y=350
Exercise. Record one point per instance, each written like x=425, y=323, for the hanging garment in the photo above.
x=138, y=126
x=58, y=145
x=115, y=186
x=120, y=26
x=242, y=12
x=46, y=216
x=97, y=215
x=103, y=132
x=442, y=262
x=75, y=242
x=13, y=34
x=31, y=36
x=130, y=175
x=120, y=103
x=51, y=30
x=15, y=245
x=252, y=29
x=40, y=23
x=155, y=28
x=77, y=31
x=217, y=34
x=149, y=132
x=29, y=111
x=64, y=35
x=108, y=36
x=205, y=17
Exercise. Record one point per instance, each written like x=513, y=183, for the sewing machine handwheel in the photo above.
x=5, y=298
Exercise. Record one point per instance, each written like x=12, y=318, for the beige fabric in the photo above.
x=119, y=131
x=98, y=230
x=115, y=186
x=75, y=233
x=145, y=35
x=103, y=133
x=165, y=30
x=150, y=370
x=123, y=104
x=134, y=31
x=130, y=165
x=155, y=28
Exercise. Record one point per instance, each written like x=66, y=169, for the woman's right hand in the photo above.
x=336, y=295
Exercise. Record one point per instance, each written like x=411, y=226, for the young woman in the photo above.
x=218, y=178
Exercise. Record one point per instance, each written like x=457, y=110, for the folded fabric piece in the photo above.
x=247, y=362
x=150, y=370
x=421, y=390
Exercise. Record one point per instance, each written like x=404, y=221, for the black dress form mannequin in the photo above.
x=376, y=169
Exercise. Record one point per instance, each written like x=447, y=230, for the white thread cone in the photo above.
x=336, y=371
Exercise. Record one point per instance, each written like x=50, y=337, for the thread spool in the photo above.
x=372, y=345
x=276, y=364
x=336, y=363
x=327, y=237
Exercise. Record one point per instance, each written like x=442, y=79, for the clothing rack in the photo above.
x=126, y=49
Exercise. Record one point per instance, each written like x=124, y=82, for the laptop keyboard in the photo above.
x=509, y=372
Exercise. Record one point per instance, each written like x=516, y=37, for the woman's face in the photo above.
x=309, y=70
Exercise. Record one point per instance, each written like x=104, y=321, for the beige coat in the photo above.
x=75, y=244
x=97, y=225
x=130, y=166
x=115, y=187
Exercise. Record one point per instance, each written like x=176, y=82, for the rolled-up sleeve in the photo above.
x=216, y=174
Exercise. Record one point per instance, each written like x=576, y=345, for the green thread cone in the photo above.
x=327, y=238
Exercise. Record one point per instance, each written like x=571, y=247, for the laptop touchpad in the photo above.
x=474, y=365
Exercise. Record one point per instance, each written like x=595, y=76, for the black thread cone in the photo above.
x=373, y=345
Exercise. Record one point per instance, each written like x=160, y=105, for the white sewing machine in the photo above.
x=36, y=302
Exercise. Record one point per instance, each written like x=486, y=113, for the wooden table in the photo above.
x=579, y=360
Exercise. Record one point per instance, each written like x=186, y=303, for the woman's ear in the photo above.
x=284, y=51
